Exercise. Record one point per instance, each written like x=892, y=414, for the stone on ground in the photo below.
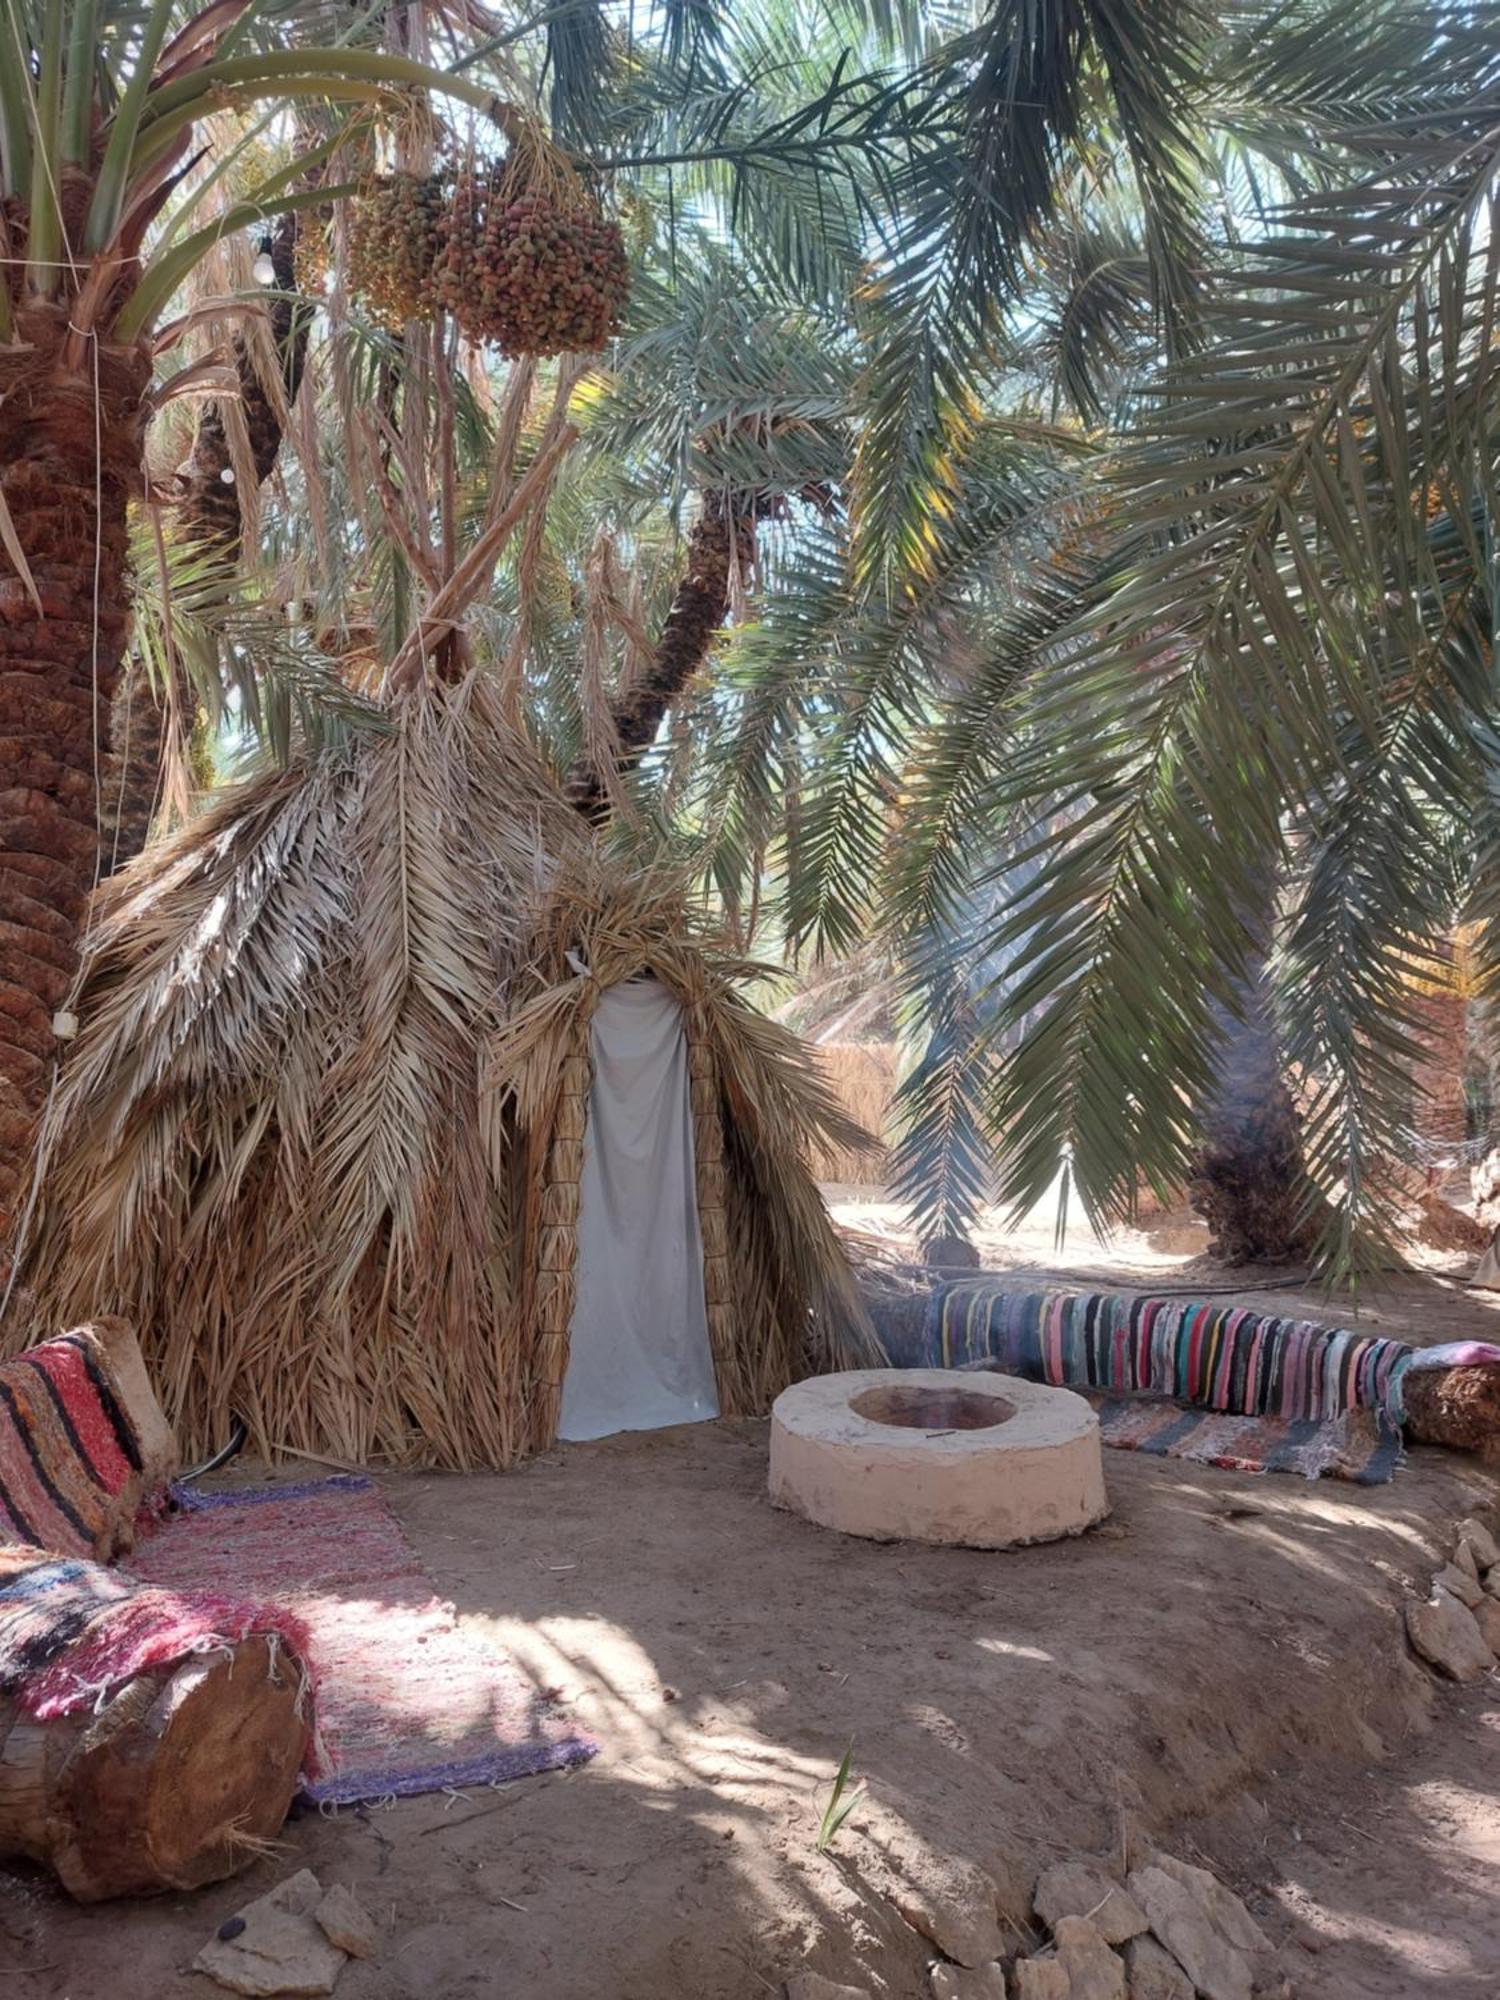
x=1465, y=1559
x=281, y=1949
x=1486, y=1616
x=1480, y=1542
x=961, y=1982
x=1094, y=1971
x=347, y=1923
x=1041, y=1979
x=1459, y=1583
x=1151, y=1972
x=1446, y=1634
x=1084, y=1889
x=813, y=1986
x=964, y=1927
x=1082, y=1967
x=1205, y=1926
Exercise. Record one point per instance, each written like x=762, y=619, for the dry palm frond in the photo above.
x=321, y=1134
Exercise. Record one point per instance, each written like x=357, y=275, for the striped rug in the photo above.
x=1361, y=1445
x=407, y=1700
x=75, y=1467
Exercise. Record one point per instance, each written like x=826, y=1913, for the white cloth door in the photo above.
x=639, y=1356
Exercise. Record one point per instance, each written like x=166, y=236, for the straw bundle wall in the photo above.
x=862, y=1076
x=557, y=1249
x=713, y=1222
x=321, y=1136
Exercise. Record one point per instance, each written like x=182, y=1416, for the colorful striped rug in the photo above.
x=406, y=1699
x=1220, y=1357
x=1362, y=1445
x=83, y=1446
x=72, y=1631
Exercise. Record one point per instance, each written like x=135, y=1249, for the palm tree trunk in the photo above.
x=70, y=454
x=208, y=513
x=722, y=541
x=1250, y=1183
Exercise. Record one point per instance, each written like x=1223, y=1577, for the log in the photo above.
x=1456, y=1407
x=181, y=1778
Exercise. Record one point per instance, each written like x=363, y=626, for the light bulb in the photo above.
x=264, y=268
x=227, y=476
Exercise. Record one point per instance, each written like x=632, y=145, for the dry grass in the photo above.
x=862, y=1076
x=321, y=1134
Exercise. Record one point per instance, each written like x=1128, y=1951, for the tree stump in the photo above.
x=181, y=1778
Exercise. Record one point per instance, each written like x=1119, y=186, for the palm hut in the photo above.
x=323, y=1135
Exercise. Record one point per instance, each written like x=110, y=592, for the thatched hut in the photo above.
x=321, y=1137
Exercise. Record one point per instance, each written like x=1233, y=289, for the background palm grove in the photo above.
x=1003, y=495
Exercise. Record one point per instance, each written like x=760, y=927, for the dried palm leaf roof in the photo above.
x=302, y=1138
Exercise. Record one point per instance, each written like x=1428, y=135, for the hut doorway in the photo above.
x=639, y=1353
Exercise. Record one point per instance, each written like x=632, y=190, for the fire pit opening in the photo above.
x=915, y=1409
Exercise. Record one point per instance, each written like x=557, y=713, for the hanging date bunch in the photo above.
x=528, y=260
x=396, y=225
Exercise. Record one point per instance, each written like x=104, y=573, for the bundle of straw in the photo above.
x=321, y=1135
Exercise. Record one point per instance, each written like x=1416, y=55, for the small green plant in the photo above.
x=838, y=1807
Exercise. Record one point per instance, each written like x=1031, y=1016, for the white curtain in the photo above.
x=640, y=1355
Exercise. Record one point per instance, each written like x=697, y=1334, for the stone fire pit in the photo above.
x=928, y=1455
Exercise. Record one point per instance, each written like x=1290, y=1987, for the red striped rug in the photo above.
x=406, y=1700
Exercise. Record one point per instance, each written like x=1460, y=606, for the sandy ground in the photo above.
x=1429, y=1303
x=1390, y=1877
x=1221, y=1666
x=1221, y=1636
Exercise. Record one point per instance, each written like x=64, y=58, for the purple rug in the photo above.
x=406, y=1700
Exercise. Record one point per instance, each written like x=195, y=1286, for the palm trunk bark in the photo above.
x=208, y=513
x=722, y=541
x=70, y=455
x=1250, y=1182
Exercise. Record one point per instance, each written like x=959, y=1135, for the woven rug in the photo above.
x=405, y=1700
x=1219, y=1357
x=1361, y=1445
x=73, y=1465
x=71, y=1631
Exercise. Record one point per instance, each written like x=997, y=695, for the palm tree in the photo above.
x=105, y=214
x=98, y=108
x=1188, y=617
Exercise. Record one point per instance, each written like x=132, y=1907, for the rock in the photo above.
x=967, y=1932
x=1464, y=1559
x=281, y=1949
x=1094, y=1971
x=1481, y=1544
x=1041, y=1979
x=958, y=1982
x=1459, y=1583
x=1082, y=1967
x=346, y=1923
x=1083, y=1889
x=1205, y=1927
x=813, y=1986
x=1224, y=1907
x=1444, y=1632
x=1151, y=1972
x=1486, y=1615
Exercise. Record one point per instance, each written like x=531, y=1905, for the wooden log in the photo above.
x=1457, y=1407
x=181, y=1778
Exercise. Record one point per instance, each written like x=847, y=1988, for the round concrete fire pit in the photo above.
x=925, y=1455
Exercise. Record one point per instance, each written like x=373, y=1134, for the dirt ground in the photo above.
x=1389, y=1877
x=1220, y=1667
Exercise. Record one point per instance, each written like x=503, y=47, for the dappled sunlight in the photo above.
x=998, y=1709
x=1011, y=1650
x=655, y=1737
x=1409, y=1944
